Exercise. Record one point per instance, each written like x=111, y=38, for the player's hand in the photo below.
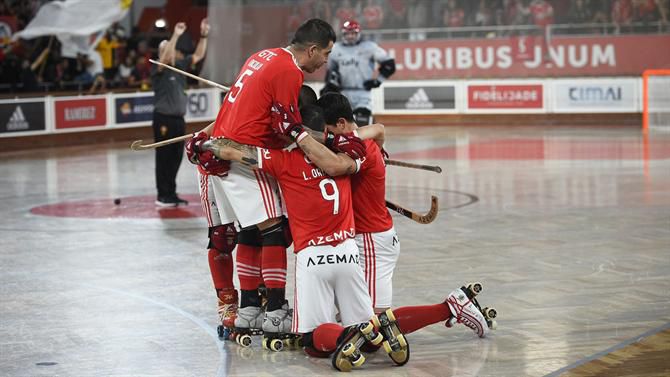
x=346, y=143
x=192, y=147
x=212, y=165
x=286, y=123
x=370, y=84
x=204, y=27
x=180, y=28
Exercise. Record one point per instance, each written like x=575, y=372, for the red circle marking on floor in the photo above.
x=133, y=207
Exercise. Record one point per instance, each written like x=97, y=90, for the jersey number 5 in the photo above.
x=235, y=90
x=335, y=196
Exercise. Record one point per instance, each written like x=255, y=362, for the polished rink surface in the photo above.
x=568, y=229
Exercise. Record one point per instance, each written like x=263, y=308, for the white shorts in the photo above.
x=253, y=195
x=217, y=209
x=378, y=256
x=328, y=278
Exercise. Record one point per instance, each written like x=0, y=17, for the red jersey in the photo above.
x=267, y=76
x=318, y=206
x=369, y=187
x=543, y=13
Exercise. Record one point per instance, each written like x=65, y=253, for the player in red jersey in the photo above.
x=267, y=76
x=318, y=198
x=376, y=237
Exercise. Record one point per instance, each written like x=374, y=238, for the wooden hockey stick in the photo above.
x=404, y=164
x=137, y=144
x=421, y=219
x=208, y=82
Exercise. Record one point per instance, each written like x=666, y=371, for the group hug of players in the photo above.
x=279, y=167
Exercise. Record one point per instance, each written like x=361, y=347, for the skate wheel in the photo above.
x=387, y=347
x=264, y=343
x=348, y=349
x=375, y=322
x=490, y=313
x=476, y=288
x=359, y=361
x=402, y=341
x=390, y=315
x=276, y=345
x=244, y=340
x=400, y=358
x=366, y=328
x=378, y=339
x=493, y=325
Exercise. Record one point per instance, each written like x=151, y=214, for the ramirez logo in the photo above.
x=17, y=122
x=419, y=100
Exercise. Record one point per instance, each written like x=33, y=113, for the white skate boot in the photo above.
x=249, y=322
x=466, y=310
x=277, y=329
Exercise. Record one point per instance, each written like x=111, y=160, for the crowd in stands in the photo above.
x=121, y=59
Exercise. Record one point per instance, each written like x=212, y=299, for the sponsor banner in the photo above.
x=613, y=95
x=134, y=109
x=419, y=97
x=527, y=57
x=199, y=104
x=22, y=116
x=530, y=96
x=75, y=113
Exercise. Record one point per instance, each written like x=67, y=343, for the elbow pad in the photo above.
x=387, y=68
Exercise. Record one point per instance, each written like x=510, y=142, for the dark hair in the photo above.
x=307, y=96
x=312, y=117
x=335, y=106
x=314, y=31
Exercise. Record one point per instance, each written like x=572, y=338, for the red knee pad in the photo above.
x=223, y=238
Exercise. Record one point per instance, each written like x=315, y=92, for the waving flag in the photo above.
x=78, y=24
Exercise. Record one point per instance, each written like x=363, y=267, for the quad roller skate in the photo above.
x=227, y=313
x=249, y=322
x=348, y=354
x=276, y=330
x=394, y=343
x=465, y=309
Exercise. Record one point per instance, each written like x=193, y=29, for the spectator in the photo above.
x=622, y=14
x=125, y=74
x=484, y=15
x=373, y=14
x=645, y=11
x=107, y=50
x=345, y=12
x=397, y=14
x=580, y=13
x=542, y=13
x=417, y=14
x=453, y=15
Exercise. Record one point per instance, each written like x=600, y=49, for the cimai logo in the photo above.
x=126, y=108
x=17, y=122
x=419, y=100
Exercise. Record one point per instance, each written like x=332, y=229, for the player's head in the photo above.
x=337, y=112
x=313, y=41
x=312, y=117
x=351, y=32
x=307, y=96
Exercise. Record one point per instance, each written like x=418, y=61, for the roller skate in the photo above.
x=249, y=322
x=394, y=343
x=348, y=353
x=465, y=309
x=276, y=330
x=227, y=312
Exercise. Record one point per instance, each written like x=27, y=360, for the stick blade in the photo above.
x=136, y=145
x=432, y=213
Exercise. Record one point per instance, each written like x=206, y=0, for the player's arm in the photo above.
x=331, y=163
x=375, y=132
x=226, y=149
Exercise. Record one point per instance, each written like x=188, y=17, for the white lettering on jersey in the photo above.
x=335, y=237
x=267, y=55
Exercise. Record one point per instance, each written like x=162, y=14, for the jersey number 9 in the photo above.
x=335, y=196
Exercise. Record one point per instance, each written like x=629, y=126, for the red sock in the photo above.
x=221, y=267
x=274, y=266
x=249, y=266
x=325, y=337
x=412, y=318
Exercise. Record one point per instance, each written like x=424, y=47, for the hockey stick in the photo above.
x=208, y=82
x=436, y=169
x=137, y=144
x=421, y=219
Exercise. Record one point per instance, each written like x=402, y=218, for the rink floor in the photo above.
x=568, y=229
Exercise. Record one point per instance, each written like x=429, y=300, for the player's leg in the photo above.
x=222, y=240
x=378, y=255
x=249, y=318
